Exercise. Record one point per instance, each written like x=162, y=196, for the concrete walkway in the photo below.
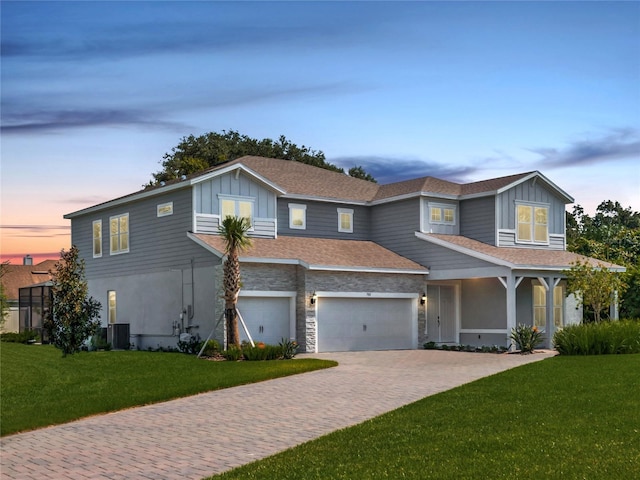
x=195, y=437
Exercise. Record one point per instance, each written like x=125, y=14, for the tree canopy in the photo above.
x=194, y=154
x=613, y=235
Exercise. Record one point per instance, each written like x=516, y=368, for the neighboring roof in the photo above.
x=514, y=257
x=19, y=276
x=318, y=254
x=299, y=180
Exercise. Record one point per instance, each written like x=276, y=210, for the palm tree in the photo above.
x=234, y=231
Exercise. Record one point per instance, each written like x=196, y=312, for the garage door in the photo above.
x=267, y=318
x=347, y=324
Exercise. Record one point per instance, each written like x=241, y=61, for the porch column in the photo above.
x=510, y=287
x=614, y=314
x=551, y=326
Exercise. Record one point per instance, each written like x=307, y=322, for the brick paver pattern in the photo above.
x=198, y=436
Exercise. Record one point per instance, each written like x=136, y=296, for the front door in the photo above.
x=441, y=313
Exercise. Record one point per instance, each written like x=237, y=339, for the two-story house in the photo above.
x=337, y=263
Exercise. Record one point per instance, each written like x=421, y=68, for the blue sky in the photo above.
x=94, y=93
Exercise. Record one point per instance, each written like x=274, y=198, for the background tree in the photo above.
x=595, y=285
x=234, y=231
x=194, y=154
x=74, y=315
x=359, y=172
x=613, y=235
x=4, y=301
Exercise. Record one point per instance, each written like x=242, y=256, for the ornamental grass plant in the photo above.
x=527, y=338
x=599, y=338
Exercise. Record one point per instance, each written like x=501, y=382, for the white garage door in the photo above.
x=267, y=318
x=347, y=324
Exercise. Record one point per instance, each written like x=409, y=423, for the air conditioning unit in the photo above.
x=118, y=335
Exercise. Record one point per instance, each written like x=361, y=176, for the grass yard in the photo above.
x=562, y=418
x=41, y=388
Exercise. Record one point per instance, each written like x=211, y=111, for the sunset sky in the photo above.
x=94, y=93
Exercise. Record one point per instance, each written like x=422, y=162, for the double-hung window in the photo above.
x=236, y=207
x=532, y=224
x=119, y=234
x=345, y=220
x=97, y=238
x=297, y=216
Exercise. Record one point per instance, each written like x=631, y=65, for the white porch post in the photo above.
x=549, y=314
x=614, y=314
x=511, y=304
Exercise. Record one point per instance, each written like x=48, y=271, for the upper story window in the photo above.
x=119, y=234
x=97, y=238
x=532, y=224
x=443, y=214
x=345, y=220
x=236, y=207
x=297, y=216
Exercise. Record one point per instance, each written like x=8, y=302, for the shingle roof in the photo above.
x=19, y=276
x=301, y=179
x=520, y=257
x=319, y=253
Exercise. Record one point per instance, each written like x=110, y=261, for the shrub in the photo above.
x=526, y=338
x=261, y=351
x=602, y=338
x=289, y=348
x=233, y=353
x=27, y=336
x=190, y=344
x=211, y=348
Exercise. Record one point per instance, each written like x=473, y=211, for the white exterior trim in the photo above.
x=498, y=331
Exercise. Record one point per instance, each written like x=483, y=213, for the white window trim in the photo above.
x=93, y=238
x=237, y=199
x=112, y=311
x=119, y=252
x=345, y=211
x=164, y=209
x=298, y=206
x=532, y=205
x=442, y=207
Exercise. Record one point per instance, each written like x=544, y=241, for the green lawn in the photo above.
x=562, y=418
x=39, y=387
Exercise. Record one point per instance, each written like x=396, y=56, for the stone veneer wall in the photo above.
x=273, y=277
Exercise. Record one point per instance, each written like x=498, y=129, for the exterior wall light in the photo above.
x=313, y=298
x=423, y=299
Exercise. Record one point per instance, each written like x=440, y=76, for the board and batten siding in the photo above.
x=534, y=192
x=478, y=219
x=207, y=192
x=155, y=243
x=322, y=220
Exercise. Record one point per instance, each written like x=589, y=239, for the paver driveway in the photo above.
x=209, y=433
